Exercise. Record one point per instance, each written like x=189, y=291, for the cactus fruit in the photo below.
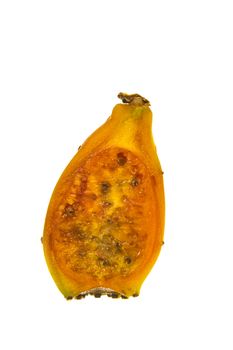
x=105, y=221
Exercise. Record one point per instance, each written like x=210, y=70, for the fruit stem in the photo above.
x=133, y=99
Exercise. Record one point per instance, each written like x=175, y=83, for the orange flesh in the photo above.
x=102, y=225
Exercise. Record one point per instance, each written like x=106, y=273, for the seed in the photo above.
x=118, y=247
x=94, y=238
x=105, y=187
x=69, y=211
x=134, y=182
x=79, y=234
x=121, y=159
x=128, y=260
x=106, y=262
x=107, y=204
x=107, y=238
x=103, y=262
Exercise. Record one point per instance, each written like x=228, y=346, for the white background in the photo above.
x=62, y=64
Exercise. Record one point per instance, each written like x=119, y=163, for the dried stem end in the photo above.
x=134, y=99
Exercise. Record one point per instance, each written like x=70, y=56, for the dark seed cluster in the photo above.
x=101, y=221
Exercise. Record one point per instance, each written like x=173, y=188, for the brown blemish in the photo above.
x=153, y=180
x=93, y=196
x=132, y=236
x=76, y=233
x=125, y=199
x=97, y=295
x=80, y=296
x=133, y=99
x=83, y=184
x=114, y=295
x=81, y=235
x=98, y=292
x=82, y=253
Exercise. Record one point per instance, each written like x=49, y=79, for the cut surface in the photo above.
x=101, y=226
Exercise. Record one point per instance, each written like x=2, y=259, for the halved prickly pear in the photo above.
x=105, y=221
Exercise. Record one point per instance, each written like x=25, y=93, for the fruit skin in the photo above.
x=129, y=130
